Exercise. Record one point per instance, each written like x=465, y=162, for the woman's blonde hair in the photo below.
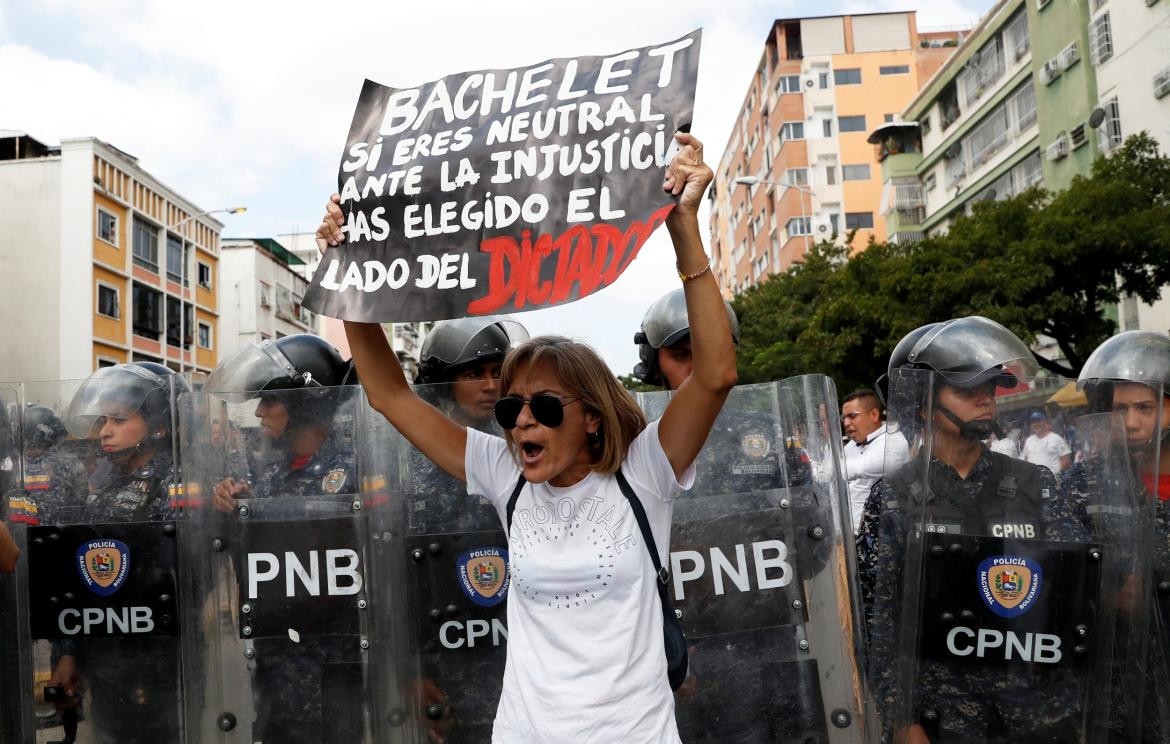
x=584, y=374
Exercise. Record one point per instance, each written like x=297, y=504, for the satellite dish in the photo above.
x=1097, y=118
x=953, y=151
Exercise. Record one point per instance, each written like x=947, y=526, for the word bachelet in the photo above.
x=504, y=190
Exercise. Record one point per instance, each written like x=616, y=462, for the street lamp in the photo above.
x=753, y=181
x=183, y=277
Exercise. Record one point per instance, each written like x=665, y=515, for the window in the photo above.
x=830, y=175
x=888, y=118
x=835, y=222
x=1016, y=35
x=1110, y=131
x=929, y=182
x=855, y=172
x=823, y=80
x=982, y=71
x=827, y=125
x=176, y=265
x=103, y=363
x=204, y=335
x=179, y=326
x=1024, y=105
x=948, y=103
x=204, y=272
x=799, y=226
x=788, y=84
x=147, y=311
x=265, y=295
x=894, y=70
x=924, y=124
x=107, y=226
x=851, y=123
x=849, y=76
x=107, y=301
x=145, y=245
x=791, y=130
x=1100, y=39
x=796, y=177
x=859, y=220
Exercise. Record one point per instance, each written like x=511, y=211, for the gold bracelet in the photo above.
x=687, y=277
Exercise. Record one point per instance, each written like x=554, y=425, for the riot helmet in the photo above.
x=42, y=427
x=666, y=324
x=967, y=353
x=1139, y=357
x=291, y=362
x=139, y=388
x=452, y=344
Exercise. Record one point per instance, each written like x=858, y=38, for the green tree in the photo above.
x=634, y=385
x=1041, y=263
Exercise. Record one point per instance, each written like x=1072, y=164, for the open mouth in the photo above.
x=531, y=452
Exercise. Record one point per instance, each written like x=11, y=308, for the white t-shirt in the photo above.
x=1046, y=451
x=585, y=656
x=1006, y=446
x=865, y=463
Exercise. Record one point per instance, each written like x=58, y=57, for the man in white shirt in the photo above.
x=1046, y=447
x=871, y=449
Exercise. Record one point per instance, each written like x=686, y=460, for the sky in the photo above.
x=249, y=103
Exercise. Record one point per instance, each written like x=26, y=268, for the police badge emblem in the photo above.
x=755, y=446
x=483, y=575
x=334, y=481
x=103, y=565
x=1009, y=584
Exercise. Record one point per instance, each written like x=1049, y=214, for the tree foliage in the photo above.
x=1042, y=263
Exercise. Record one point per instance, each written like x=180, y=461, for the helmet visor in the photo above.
x=250, y=369
x=468, y=339
x=1133, y=356
x=111, y=391
x=971, y=351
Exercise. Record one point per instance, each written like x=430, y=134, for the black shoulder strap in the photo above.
x=513, y=498
x=647, y=536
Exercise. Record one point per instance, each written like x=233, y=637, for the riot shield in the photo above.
x=1006, y=607
x=98, y=618
x=759, y=580
x=284, y=490
x=11, y=718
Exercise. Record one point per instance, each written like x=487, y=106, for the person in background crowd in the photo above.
x=1008, y=444
x=1046, y=447
x=871, y=449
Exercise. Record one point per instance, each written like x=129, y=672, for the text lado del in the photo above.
x=499, y=191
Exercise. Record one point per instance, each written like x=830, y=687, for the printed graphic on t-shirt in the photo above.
x=578, y=547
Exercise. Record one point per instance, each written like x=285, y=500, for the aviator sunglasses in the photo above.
x=547, y=409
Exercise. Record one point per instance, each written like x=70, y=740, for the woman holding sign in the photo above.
x=585, y=642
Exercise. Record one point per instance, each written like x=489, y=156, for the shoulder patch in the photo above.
x=334, y=481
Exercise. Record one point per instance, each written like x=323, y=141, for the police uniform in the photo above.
x=308, y=691
x=740, y=472
x=969, y=704
x=53, y=481
x=134, y=682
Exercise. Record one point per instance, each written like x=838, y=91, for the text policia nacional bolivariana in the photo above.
x=524, y=107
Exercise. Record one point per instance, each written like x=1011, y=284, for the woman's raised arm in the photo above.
x=439, y=438
x=692, y=411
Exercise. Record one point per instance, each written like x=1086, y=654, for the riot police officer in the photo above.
x=133, y=682
x=52, y=476
x=1128, y=375
x=744, y=467
x=949, y=502
x=301, y=467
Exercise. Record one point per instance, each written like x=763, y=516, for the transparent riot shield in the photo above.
x=1007, y=604
x=759, y=573
x=284, y=490
x=11, y=723
x=98, y=616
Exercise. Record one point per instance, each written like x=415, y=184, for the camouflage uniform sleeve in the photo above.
x=1058, y=512
x=866, y=541
x=888, y=558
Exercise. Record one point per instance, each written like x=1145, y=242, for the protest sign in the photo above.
x=498, y=191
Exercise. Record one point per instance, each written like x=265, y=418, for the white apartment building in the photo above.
x=260, y=293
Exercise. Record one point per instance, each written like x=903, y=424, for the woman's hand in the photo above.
x=329, y=232
x=687, y=177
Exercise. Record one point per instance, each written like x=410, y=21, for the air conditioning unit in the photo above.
x=1077, y=136
x=1051, y=70
x=1070, y=55
x=823, y=228
x=1058, y=149
x=809, y=82
x=1162, y=83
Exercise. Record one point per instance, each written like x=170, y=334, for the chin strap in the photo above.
x=978, y=429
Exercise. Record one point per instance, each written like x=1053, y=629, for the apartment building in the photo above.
x=261, y=293
x=798, y=167
x=102, y=263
